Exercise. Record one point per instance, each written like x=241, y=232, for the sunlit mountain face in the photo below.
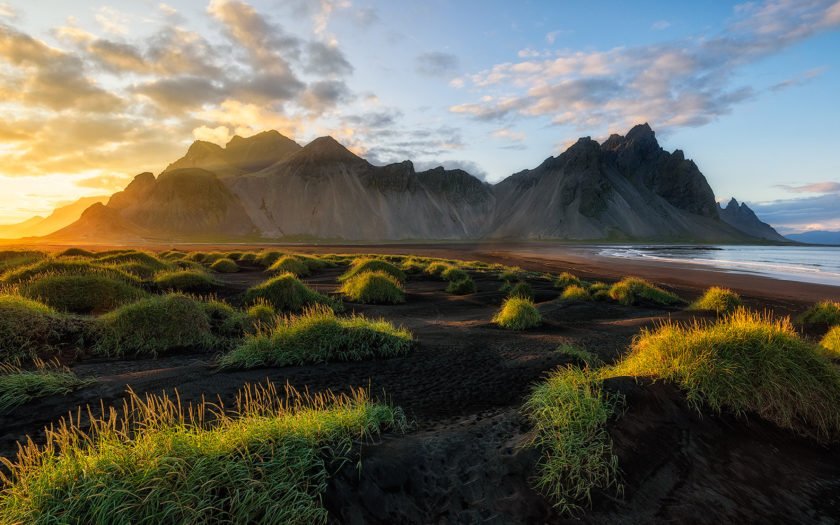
x=97, y=92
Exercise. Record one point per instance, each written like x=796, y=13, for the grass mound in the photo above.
x=566, y=279
x=746, y=362
x=413, y=266
x=511, y=273
x=436, y=268
x=81, y=294
x=519, y=289
x=373, y=288
x=290, y=264
x=19, y=386
x=570, y=412
x=518, y=313
x=155, y=326
x=27, y=328
x=599, y=291
x=225, y=265
x=632, y=291
x=462, y=287
x=262, y=315
x=720, y=300
x=287, y=293
x=68, y=266
x=265, y=461
x=190, y=281
x=75, y=252
x=831, y=343
x=143, y=258
x=453, y=273
x=248, y=258
x=319, y=336
x=574, y=292
x=266, y=259
x=822, y=314
x=10, y=259
x=372, y=265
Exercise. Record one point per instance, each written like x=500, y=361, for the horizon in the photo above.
x=97, y=92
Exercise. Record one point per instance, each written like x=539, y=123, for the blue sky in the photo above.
x=95, y=92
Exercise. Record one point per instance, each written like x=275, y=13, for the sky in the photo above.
x=95, y=92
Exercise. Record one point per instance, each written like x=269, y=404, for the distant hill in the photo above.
x=816, y=237
x=267, y=186
x=59, y=218
x=741, y=217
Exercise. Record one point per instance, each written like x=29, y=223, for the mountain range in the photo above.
x=816, y=237
x=269, y=187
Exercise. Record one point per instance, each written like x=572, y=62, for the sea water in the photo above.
x=812, y=264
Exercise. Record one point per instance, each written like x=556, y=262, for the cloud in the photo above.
x=179, y=94
x=104, y=182
x=365, y=16
x=688, y=82
x=810, y=213
x=7, y=11
x=327, y=59
x=816, y=187
x=798, y=80
x=660, y=25
x=436, y=64
x=111, y=20
x=219, y=135
x=509, y=135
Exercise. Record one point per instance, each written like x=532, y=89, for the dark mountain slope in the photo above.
x=742, y=218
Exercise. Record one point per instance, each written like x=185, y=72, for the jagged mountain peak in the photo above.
x=326, y=149
x=240, y=155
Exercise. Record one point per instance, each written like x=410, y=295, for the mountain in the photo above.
x=627, y=188
x=325, y=191
x=100, y=223
x=239, y=156
x=742, y=218
x=59, y=218
x=816, y=237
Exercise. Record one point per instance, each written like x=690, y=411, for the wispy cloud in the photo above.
x=689, y=82
x=809, y=213
x=437, y=64
x=815, y=187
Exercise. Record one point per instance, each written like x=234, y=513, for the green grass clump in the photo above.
x=224, y=265
x=412, y=266
x=566, y=279
x=463, y=287
x=518, y=313
x=155, y=326
x=68, y=266
x=511, y=273
x=436, y=268
x=570, y=412
x=519, y=289
x=831, y=343
x=824, y=314
x=373, y=288
x=172, y=255
x=584, y=356
x=27, y=328
x=634, y=291
x=266, y=460
x=599, y=291
x=189, y=281
x=261, y=315
x=75, y=252
x=453, y=273
x=248, y=258
x=81, y=294
x=266, y=259
x=19, y=386
x=143, y=258
x=719, y=300
x=574, y=292
x=290, y=264
x=372, y=265
x=287, y=293
x=10, y=259
x=137, y=269
x=319, y=336
x=745, y=362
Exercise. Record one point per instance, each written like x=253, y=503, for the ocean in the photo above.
x=811, y=264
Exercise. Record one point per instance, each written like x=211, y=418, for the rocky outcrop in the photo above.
x=742, y=218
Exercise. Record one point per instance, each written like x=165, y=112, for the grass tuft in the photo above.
x=287, y=293
x=566, y=279
x=453, y=273
x=267, y=460
x=363, y=265
x=27, y=328
x=574, y=292
x=373, y=288
x=224, y=265
x=290, y=264
x=823, y=314
x=831, y=343
x=634, y=291
x=570, y=411
x=719, y=300
x=519, y=289
x=745, y=362
x=318, y=336
x=462, y=287
x=19, y=386
x=91, y=293
x=189, y=281
x=518, y=313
